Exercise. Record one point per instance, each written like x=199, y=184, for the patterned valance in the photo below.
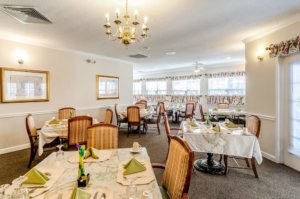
x=198, y=76
x=284, y=48
x=170, y=98
x=232, y=100
x=226, y=74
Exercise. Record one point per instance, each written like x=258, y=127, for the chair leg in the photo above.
x=247, y=162
x=158, y=128
x=129, y=129
x=221, y=157
x=253, y=164
x=226, y=164
x=32, y=156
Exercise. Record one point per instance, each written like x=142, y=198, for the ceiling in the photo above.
x=210, y=32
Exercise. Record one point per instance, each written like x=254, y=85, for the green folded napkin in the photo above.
x=215, y=109
x=78, y=193
x=193, y=124
x=90, y=153
x=133, y=166
x=238, y=110
x=54, y=121
x=217, y=128
x=231, y=125
x=35, y=177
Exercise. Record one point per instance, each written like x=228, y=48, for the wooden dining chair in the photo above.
x=66, y=113
x=155, y=118
x=108, y=116
x=160, y=108
x=202, y=117
x=32, y=133
x=253, y=124
x=134, y=119
x=169, y=130
x=189, y=111
x=141, y=105
x=102, y=136
x=120, y=119
x=142, y=101
x=77, y=129
x=177, y=171
x=223, y=105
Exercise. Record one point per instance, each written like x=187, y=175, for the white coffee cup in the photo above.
x=147, y=195
x=135, y=146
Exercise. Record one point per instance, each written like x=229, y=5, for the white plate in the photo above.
x=133, y=151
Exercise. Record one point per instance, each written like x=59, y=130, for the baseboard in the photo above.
x=14, y=148
x=269, y=156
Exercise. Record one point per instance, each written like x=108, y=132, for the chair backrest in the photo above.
x=179, y=166
x=64, y=113
x=108, y=116
x=140, y=105
x=223, y=105
x=102, y=136
x=77, y=130
x=253, y=125
x=142, y=102
x=189, y=110
x=133, y=114
x=30, y=128
x=167, y=127
x=160, y=108
x=195, y=103
x=201, y=112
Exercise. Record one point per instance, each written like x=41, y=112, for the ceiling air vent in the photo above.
x=26, y=15
x=138, y=56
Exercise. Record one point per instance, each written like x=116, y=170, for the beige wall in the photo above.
x=261, y=89
x=72, y=83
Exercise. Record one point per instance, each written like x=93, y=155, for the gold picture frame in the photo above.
x=24, y=85
x=107, y=87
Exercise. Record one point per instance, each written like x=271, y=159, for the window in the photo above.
x=226, y=86
x=186, y=87
x=294, y=147
x=29, y=89
x=137, y=88
x=156, y=87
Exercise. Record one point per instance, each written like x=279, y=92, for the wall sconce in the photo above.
x=260, y=54
x=20, y=56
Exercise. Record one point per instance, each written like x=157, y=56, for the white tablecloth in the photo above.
x=227, y=112
x=228, y=142
x=48, y=133
x=103, y=176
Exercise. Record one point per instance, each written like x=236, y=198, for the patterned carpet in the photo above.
x=276, y=180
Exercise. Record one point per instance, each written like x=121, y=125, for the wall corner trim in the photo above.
x=14, y=148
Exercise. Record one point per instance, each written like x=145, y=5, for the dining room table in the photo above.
x=202, y=137
x=176, y=108
x=107, y=176
x=49, y=132
x=144, y=112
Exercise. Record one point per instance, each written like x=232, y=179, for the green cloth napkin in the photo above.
x=231, y=125
x=78, y=193
x=238, y=110
x=35, y=177
x=193, y=124
x=215, y=109
x=133, y=166
x=90, y=153
x=54, y=121
x=217, y=128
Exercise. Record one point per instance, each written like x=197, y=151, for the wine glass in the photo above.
x=60, y=152
x=3, y=188
x=131, y=189
x=19, y=191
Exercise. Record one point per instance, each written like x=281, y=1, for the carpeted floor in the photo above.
x=276, y=181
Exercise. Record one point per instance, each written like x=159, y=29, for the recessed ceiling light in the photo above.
x=170, y=53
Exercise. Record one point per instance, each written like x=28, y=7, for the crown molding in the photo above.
x=60, y=48
x=285, y=23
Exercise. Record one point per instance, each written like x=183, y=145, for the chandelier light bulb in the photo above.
x=117, y=12
x=107, y=17
x=136, y=13
x=145, y=20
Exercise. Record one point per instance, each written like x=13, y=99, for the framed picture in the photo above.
x=21, y=85
x=107, y=87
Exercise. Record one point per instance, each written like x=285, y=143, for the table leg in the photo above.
x=209, y=165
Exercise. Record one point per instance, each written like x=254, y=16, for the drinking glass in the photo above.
x=2, y=191
x=60, y=152
x=19, y=191
x=131, y=190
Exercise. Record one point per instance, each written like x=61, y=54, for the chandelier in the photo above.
x=127, y=30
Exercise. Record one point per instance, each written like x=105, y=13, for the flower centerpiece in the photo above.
x=83, y=178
